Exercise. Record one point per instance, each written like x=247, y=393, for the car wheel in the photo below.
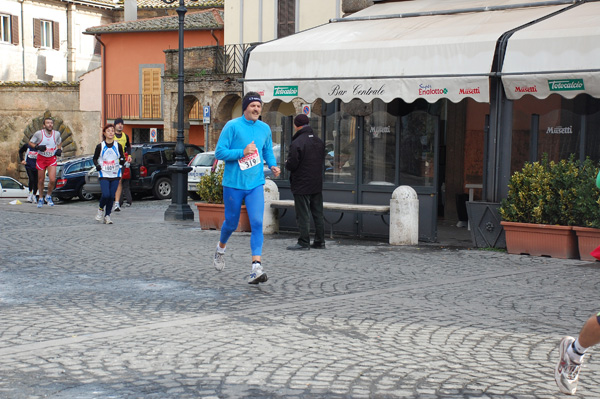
x=84, y=195
x=194, y=195
x=162, y=188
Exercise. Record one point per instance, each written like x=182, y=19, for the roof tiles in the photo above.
x=207, y=19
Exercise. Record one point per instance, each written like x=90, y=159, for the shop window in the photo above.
x=9, y=29
x=555, y=126
x=281, y=135
x=45, y=34
x=592, y=127
x=340, y=144
x=379, y=146
x=417, y=148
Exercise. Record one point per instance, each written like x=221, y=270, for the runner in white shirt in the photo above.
x=47, y=143
x=108, y=158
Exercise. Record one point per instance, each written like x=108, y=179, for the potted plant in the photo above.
x=211, y=211
x=541, y=208
x=587, y=212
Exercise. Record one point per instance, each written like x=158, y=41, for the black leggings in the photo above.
x=32, y=175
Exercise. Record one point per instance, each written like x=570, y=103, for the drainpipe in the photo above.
x=212, y=32
x=103, y=118
x=71, y=58
x=22, y=38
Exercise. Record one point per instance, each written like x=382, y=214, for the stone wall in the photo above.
x=22, y=105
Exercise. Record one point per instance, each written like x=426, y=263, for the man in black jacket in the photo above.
x=305, y=161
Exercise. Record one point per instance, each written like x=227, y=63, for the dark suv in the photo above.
x=149, y=173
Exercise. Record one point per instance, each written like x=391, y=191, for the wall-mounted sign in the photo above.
x=306, y=109
x=153, y=134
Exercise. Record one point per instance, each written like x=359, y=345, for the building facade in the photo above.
x=445, y=99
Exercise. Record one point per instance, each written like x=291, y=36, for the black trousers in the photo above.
x=32, y=175
x=305, y=206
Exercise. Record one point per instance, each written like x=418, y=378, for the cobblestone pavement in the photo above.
x=135, y=310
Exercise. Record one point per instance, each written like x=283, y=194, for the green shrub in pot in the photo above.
x=555, y=193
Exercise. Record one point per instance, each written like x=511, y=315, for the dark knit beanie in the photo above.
x=250, y=97
x=300, y=120
x=119, y=120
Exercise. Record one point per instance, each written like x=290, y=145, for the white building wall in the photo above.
x=249, y=21
x=24, y=62
x=45, y=64
x=11, y=66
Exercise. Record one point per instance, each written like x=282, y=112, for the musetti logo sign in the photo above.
x=566, y=85
x=526, y=89
x=285, y=91
x=469, y=90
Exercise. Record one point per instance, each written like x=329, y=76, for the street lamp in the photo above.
x=179, y=208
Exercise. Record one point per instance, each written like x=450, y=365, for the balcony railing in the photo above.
x=141, y=106
x=134, y=106
x=230, y=58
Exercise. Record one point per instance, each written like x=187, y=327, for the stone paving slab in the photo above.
x=135, y=310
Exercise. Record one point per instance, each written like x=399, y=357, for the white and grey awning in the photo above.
x=405, y=50
x=560, y=55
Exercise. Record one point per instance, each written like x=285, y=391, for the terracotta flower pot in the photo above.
x=212, y=216
x=540, y=240
x=588, y=240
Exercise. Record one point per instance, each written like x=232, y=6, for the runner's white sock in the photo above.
x=576, y=351
x=220, y=250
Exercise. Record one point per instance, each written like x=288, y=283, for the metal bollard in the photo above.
x=270, y=215
x=404, y=216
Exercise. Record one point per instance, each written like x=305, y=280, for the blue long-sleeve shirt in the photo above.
x=236, y=135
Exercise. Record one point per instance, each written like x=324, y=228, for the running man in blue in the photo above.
x=244, y=143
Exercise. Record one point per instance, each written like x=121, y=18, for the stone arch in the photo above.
x=226, y=106
x=222, y=114
x=188, y=103
x=69, y=146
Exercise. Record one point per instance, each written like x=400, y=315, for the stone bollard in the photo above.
x=270, y=216
x=404, y=216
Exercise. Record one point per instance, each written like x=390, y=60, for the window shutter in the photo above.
x=151, y=93
x=37, y=33
x=14, y=26
x=55, y=36
x=286, y=18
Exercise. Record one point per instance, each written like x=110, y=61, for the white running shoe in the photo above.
x=100, y=215
x=566, y=372
x=257, y=275
x=219, y=260
x=30, y=197
x=116, y=207
x=107, y=220
x=49, y=200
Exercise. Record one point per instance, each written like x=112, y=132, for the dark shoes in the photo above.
x=318, y=245
x=297, y=247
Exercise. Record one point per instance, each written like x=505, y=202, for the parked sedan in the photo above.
x=201, y=164
x=11, y=188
